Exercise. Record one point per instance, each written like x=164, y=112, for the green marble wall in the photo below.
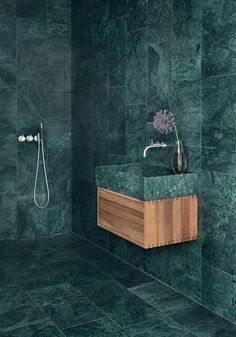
x=129, y=59
x=35, y=84
x=218, y=157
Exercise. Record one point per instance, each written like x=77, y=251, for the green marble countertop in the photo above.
x=146, y=182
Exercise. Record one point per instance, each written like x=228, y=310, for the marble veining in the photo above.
x=146, y=182
x=89, y=295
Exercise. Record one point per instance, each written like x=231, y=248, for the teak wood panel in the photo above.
x=148, y=223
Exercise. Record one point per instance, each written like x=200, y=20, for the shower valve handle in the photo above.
x=29, y=138
x=21, y=138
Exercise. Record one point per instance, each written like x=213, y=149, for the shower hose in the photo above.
x=41, y=149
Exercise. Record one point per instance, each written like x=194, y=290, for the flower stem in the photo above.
x=176, y=132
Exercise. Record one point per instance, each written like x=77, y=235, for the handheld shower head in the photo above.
x=41, y=151
x=41, y=130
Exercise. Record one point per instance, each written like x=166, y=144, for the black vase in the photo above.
x=179, y=159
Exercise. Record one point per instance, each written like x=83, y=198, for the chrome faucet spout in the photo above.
x=156, y=145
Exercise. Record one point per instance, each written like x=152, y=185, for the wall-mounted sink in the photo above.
x=146, y=182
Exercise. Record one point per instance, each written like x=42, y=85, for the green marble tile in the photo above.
x=121, y=271
x=8, y=113
x=8, y=93
x=137, y=53
x=57, y=257
x=32, y=222
x=59, y=218
x=186, y=104
x=31, y=104
x=117, y=52
x=101, y=108
x=159, y=20
x=93, y=253
x=8, y=8
x=118, y=303
x=136, y=142
x=186, y=69
x=59, y=11
x=158, y=263
x=8, y=216
x=101, y=328
x=100, y=39
x=117, y=245
x=218, y=123
x=80, y=273
x=217, y=209
x=40, y=330
x=143, y=182
x=136, y=14
x=30, y=9
x=13, y=297
x=83, y=148
x=33, y=276
x=186, y=260
x=8, y=39
x=203, y=322
x=117, y=121
x=31, y=48
x=218, y=22
x=58, y=36
x=218, y=291
x=186, y=32
x=83, y=209
x=6, y=279
x=137, y=259
x=59, y=175
x=20, y=317
x=116, y=8
x=161, y=326
x=7, y=178
x=65, y=306
x=159, y=77
x=160, y=296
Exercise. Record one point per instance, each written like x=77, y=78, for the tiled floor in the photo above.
x=67, y=287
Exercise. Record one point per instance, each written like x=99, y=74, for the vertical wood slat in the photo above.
x=148, y=223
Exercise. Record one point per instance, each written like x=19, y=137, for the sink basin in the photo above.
x=146, y=182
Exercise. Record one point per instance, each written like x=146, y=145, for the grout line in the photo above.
x=221, y=270
x=118, y=257
x=123, y=287
x=49, y=320
x=93, y=320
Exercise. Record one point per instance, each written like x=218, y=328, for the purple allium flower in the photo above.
x=163, y=121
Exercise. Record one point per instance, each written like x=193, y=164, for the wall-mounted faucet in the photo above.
x=153, y=145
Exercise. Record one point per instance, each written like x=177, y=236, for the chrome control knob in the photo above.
x=29, y=138
x=21, y=138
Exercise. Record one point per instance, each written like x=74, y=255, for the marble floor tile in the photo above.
x=122, y=272
x=45, y=329
x=36, y=276
x=67, y=287
x=20, y=317
x=65, y=305
x=80, y=273
x=12, y=297
x=118, y=303
x=161, y=326
x=203, y=322
x=100, y=328
x=162, y=297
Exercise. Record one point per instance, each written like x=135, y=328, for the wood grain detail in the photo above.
x=148, y=223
